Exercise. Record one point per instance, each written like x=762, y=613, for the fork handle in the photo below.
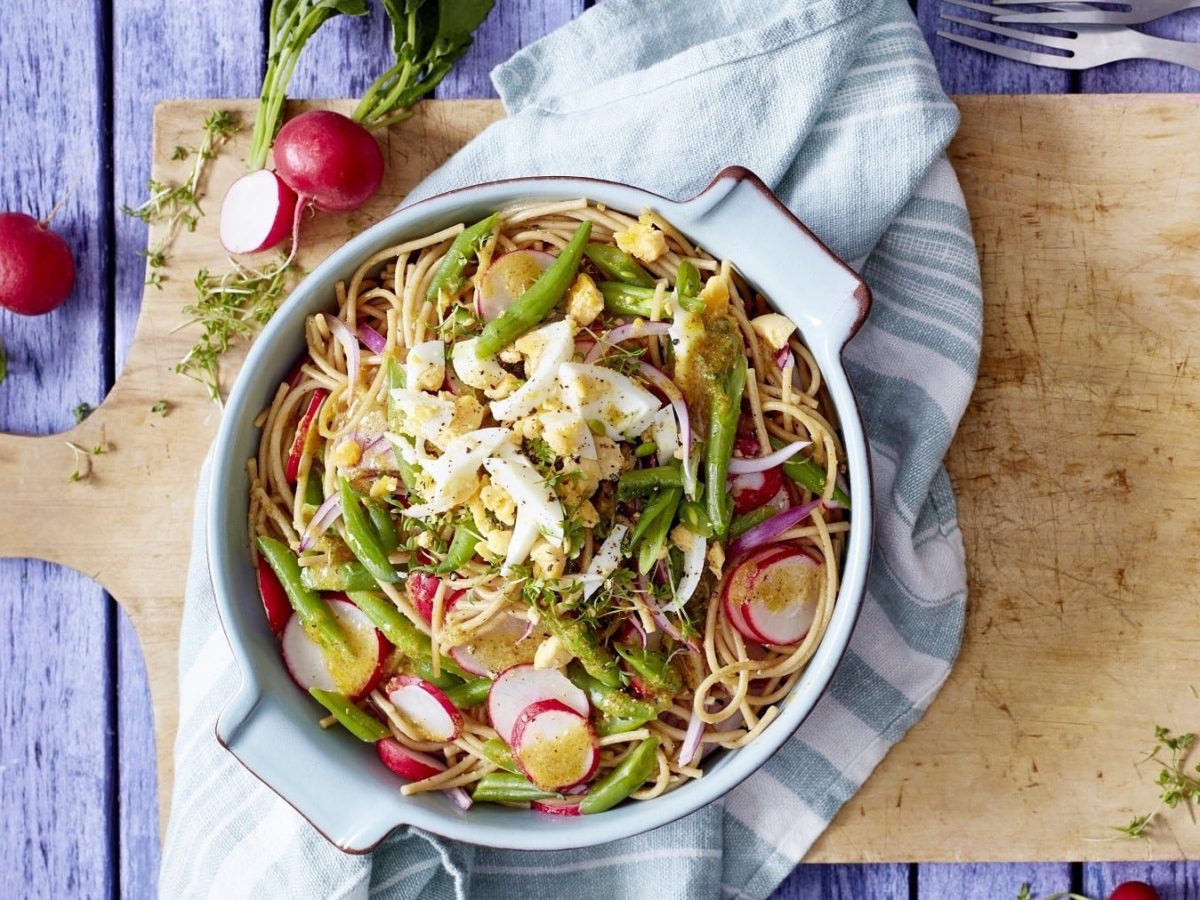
x=1179, y=52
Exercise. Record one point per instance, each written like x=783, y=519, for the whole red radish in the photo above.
x=36, y=268
x=329, y=160
x=1133, y=890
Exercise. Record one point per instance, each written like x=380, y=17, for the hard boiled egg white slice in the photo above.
x=546, y=349
x=538, y=510
x=600, y=394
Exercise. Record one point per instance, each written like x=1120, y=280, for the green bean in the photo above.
x=394, y=376
x=385, y=528
x=596, y=658
x=655, y=537
x=403, y=634
x=449, y=274
x=622, y=781
x=650, y=512
x=408, y=471
x=722, y=432
x=314, y=613
x=528, y=310
x=616, y=263
x=422, y=667
x=808, y=474
x=627, y=299
x=743, y=523
x=474, y=692
x=313, y=495
x=361, y=538
x=354, y=720
x=507, y=787
x=608, y=725
x=653, y=666
x=498, y=752
x=610, y=700
x=648, y=448
x=687, y=280
x=639, y=482
x=462, y=548
x=342, y=577
x=693, y=514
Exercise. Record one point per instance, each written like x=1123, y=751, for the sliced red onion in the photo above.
x=372, y=339
x=691, y=740
x=636, y=624
x=374, y=443
x=748, y=465
x=460, y=798
x=626, y=332
x=350, y=347
x=527, y=632
x=673, y=394
x=326, y=514
x=783, y=357
x=661, y=620
x=765, y=532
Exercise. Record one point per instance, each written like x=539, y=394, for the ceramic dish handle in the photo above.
x=821, y=294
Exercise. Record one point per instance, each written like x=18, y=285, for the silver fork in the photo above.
x=1086, y=46
x=1138, y=11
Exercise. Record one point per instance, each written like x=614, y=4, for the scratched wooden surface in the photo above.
x=77, y=813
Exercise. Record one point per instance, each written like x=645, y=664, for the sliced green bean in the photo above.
x=616, y=263
x=722, y=432
x=498, y=752
x=808, y=474
x=693, y=514
x=462, y=548
x=342, y=577
x=596, y=658
x=385, y=528
x=610, y=700
x=422, y=667
x=649, y=448
x=622, y=299
x=655, y=537
x=528, y=310
x=353, y=719
x=650, y=513
x=359, y=534
x=622, y=781
x=687, y=280
x=449, y=274
x=653, y=666
x=507, y=787
x=639, y=482
x=474, y=692
x=609, y=725
x=743, y=523
x=314, y=613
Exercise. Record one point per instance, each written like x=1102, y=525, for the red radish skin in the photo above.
x=757, y=489
x=258, y=212
x=274, y=598
x=328, y=159
x=407, y=763
x=425, y=707
x=1133, y=890
x=739, y=586
x=555, y=746
x=782, y=604
x=308, y=664
x=481, y=658
x=422, y=588
x=506, y=279
x=519, y=687
x=553, y=807
x=292, y=471
x=37, y=271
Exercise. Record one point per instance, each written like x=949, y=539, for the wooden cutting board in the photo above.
x=1076, y=470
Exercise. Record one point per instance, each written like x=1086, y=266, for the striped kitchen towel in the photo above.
x=835, y=104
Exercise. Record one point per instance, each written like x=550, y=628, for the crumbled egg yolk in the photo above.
x=551, y=654
x=347, y=454
x=609, y=457
x=499, y=503
x=468, y=415
x=716, y=559
x=587, y=515
x=773, y=328
x=715, y=295
x=584, y=300
x=384, y=487
x=642, y=240
x=548, y=560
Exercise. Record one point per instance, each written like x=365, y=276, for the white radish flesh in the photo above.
x=783, y=602
x=552, y=806
x=511, y=641
x=423, y=706
x=519, y=687
x=506, y=279
x=257, y=213
x=407, y=763
x=555, y=746
x=354, y=674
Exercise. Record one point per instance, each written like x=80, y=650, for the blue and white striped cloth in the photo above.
x=837, y=105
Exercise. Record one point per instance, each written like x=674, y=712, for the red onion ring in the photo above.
x=636, y=624
x=748, y=465
x=691, y=740
x=528, y=631
x=350, y=346
x=675, y=396
x=661, y=620
x=460, y=798
x=628, y=331
x=372, y=339
x=325, y=516
x=783, y=357
x=765, y=532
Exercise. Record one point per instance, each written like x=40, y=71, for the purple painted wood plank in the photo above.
x=845, y=882
x=344, y=57
x=217, y=54
x=994, y=881
x=965, y=70
x=1174, y=881
x=1147, y=75
x=56, y=747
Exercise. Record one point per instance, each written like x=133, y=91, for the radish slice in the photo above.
x=783, y=602
x=555, y=746
x=257, y=212
x=422, y=588
x=739, y=587
x=552, y=806
x=314, y=406
x=517, y=688
x=425, y=707
x=509, y=642
x=274, y=599
x=506, y=279
x=355, y=674
x=407, y=763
